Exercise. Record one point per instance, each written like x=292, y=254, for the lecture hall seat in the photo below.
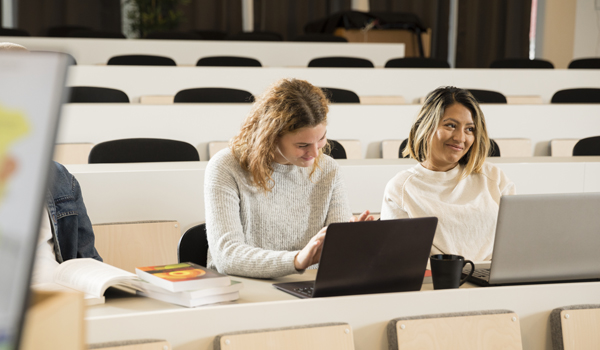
x=487, y=329
x=325, y=336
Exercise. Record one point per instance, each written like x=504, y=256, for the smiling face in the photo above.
x=302, y=146
x=452, y=139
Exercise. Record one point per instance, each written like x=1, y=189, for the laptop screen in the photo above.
x=31, y=92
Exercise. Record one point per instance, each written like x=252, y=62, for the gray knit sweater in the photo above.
x=256, y=234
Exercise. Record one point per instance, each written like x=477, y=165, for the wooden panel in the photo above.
x=562, y=147
x=72, y=153
x=352, y=147
x=333, y=337
x=135, y=244
x=216, y=146
x=514, y=147
x=501, y=331
x=157, y=99
x=54, y=321
x=580, y=329
x=382, y=100
x=524, y=100
x=390, y=149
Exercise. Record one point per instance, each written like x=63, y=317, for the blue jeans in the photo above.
x=71, y=226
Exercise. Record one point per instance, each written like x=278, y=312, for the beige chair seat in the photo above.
x=327, y=336
x=489, y=329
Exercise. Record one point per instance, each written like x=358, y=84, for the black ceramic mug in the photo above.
x=446, y=270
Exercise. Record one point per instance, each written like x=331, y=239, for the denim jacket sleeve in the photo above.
x=72, y=228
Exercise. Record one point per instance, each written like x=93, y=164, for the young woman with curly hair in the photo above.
x=270, y=196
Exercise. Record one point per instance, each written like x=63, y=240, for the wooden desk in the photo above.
x=262, y=306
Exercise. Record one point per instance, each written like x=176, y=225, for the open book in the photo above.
x=93, y=277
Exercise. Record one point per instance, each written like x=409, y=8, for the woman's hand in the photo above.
x=311, y=253
x=363, y=217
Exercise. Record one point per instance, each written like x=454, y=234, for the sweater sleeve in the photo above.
x=339, y=207
x=226, y=239
x=392, y=206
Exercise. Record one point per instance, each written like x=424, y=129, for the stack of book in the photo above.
x=187, y=284
x=184, y=284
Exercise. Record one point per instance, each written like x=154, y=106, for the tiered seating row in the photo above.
x=270, y=54
x=175, y=191
x=411, y=84
x=199, y=124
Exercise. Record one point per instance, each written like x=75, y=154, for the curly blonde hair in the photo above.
x=422, y=131
x=287, y=106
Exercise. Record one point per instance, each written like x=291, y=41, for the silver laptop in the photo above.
x=31, y=92
x=545, y=238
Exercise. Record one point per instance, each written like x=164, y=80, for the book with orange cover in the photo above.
x=182, y=277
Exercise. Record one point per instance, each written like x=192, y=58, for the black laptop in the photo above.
x=370, y=257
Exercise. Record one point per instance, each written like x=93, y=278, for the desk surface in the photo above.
x=254, y=291
x=262, y=306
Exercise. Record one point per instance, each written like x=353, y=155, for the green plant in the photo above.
x=148, y=16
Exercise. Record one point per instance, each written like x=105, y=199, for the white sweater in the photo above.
x=256, y=234
x=467, y=210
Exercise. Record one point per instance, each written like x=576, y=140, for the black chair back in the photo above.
x=64, y=31
x=416, y=62
x=140, y=60
x=402, y=147
x=228, y=61
x=585, y=63
x=87, y=33
x=487, y=96
x=336, y=150
x=92, y=94
x=13, y=32
x=193, y=246
x=590, y=146
x=522, y=63
x=143, y=150
x=583, y=95
x=494, y=149
x=255, y=36
x=315, y=37
x=341, y=62
x=213, y=95
x=173, y=36
x=340, y=95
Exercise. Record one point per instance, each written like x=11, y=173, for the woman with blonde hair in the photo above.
x=270, y=196
x=452, y=180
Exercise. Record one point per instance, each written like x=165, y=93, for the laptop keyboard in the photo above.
x=483, y=274
x=308, y=291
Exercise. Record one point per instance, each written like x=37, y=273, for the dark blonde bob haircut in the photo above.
x=428, y=120
x=286, y=106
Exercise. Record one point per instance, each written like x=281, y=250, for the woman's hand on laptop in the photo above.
x=311, y=253
x=362, y=217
